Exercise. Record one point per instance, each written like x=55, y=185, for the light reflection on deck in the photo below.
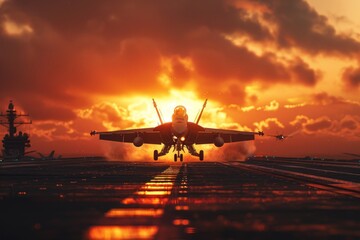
x=145, y=200
x=122, y=232
x=133, y=212
x=155, y=194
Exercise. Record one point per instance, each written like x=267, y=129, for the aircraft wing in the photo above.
x=149, y=135
x=209, y=134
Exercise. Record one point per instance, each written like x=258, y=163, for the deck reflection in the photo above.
x=122, y=232
x=205, y=200
x=146, y=203
x=134, y=212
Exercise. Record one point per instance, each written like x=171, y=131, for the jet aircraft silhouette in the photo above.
x=279, y=137
x=179, y=134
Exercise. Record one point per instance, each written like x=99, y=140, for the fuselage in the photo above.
x=179, y=126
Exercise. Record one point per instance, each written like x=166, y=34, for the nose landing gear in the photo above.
x=180, y=156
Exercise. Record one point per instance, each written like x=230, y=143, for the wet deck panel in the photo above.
x=96, y=199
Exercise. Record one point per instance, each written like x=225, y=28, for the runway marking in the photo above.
x=334, y=185
x=122, y=232
x=136, y=219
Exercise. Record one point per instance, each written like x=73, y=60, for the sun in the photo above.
x=141, y=111
x=137, y=111
x=188, y=99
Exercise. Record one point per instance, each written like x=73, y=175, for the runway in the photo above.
x=91, y=198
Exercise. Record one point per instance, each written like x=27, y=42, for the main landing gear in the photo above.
x=193, y=152
x=156, y=155
x=163, y=152
x=180, y=156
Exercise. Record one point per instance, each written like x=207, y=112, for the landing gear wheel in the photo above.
x=156, y=155
x=181, y=157
x=175, y=157
x=201, y=155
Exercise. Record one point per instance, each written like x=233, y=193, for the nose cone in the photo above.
x=180, y=111
x=179, y=120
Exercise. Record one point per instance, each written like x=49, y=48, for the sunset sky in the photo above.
x=282, y=67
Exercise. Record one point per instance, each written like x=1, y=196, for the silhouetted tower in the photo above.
x=14, y=144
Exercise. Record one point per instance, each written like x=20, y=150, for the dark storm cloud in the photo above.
x=324, y=98
x=218, y=58
x=159, y=19
x=350, y=124
x=318, y=124
x=78, y=49
x=303, y=73
x=351, y=77
x=219, y=62
x=105, y=47
x=299, y=25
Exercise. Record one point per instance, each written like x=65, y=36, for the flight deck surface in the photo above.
x=257, y=199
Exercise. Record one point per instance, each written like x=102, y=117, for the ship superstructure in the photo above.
x=14, y=144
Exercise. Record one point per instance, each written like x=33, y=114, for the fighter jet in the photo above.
x=279, y=137
x=178, y=134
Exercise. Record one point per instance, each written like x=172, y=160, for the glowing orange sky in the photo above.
x=284, y=67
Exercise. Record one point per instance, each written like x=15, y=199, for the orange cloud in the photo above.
x=347, y=126
x=268, y=123
x=54, y=130
x=318, y=125
x=110, y=115
x=14, y=29
x=273, y=106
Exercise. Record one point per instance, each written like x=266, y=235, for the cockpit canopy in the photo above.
x=180, y=111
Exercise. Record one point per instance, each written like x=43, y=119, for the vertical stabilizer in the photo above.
x=157, y=111
x=198, y=119
x=51, y=155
